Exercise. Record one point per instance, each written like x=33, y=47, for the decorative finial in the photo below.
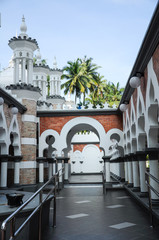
x=55, y=63
x=23, y=28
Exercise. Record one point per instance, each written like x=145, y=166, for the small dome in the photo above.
x=23, y=28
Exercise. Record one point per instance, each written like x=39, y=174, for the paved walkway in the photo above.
x=83, y=213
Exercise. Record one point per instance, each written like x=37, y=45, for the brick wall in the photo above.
x=80, y=147
x=57, y=123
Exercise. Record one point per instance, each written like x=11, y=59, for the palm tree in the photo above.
x=80, y=76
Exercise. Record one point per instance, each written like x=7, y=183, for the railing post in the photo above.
x=54, y=204
x=40, y=214
x=3, y=234
x=149, y=196
x=12, y=229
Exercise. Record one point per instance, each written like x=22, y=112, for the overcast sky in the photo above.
x=109, y=31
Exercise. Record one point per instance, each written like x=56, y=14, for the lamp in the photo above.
x=135, y=82
x=1, y=101
x=123, y=107
x=14, y=110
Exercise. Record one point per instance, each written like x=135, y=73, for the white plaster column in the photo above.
x=126, y=170
x=14, y=62
x=141, y=157
x=55, y=90
x=23, y=78
x=50, y=170
x=41, y=160
x=155, y=172
x=54, y=167
x=58, y=88
x=44, y=90
x=66, y=174
x=16, y=70
x=59, y=168
x=107, y=168
x=122, y=174
x=39, y=84
x=16, y=172
x=30, y=71
x=136, y=181
x=130, y=175
x=4, y=165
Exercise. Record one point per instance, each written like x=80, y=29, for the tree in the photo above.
x=80, y=75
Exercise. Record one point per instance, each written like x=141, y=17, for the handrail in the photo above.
x=103, y=180
x=11, y=218
x=149, y=176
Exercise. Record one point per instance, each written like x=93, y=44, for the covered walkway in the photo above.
x=84, y=213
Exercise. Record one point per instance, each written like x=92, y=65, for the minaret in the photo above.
x=23, y=48
x=55, y=79
x=40, y=73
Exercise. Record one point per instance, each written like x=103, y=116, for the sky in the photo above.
x=109, y=31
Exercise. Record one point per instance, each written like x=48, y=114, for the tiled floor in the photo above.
x=93, y=220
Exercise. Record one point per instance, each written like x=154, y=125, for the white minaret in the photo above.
x=55, y=79
x=23, y=48
x=40, y=73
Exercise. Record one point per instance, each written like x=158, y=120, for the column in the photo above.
x=130, y=176
x=121, y=169
x=135, y=166
x=23, y=78
x=66, y=174
x=17, y=71
x=50, y=170
x=54, y=170
x=154, y=171
x=59, y=168
x=44, y=90
x=41, y=160
x=14, y=71
x=30, y=72
x=4, y=167
x=126, y=169
x=141, y=157
x=17, y=160
x=58, y=88
x=107, y=169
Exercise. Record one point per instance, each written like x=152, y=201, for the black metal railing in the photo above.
x=42, y=199
x=148, y=177
x=103, y=180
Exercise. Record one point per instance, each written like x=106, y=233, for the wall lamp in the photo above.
x=1, y=101
x=124, y=106
x=14, y=110
x=135, y=81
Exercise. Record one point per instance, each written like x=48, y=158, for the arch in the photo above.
x=14, y=130
x=91, y=157
x=4, y=137
x=91, y=123
x=116, y=134
x=43, y=138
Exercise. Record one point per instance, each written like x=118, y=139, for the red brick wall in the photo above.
x=57, y=123
x=80, y=147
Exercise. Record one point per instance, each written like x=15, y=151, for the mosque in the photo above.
x=40, y=132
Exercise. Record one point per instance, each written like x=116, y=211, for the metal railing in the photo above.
x=42, y=199
x=148, y=176
x=103, y=180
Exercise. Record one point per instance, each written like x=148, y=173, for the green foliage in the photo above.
x=82, y=78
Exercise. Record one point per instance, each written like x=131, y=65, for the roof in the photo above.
x=11, y=101
x=148, y=46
